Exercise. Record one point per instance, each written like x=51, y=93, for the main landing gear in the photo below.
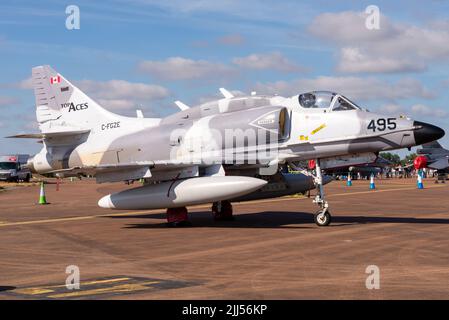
x=222, y=211
x=177, y=217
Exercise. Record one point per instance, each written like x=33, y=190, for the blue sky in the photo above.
x=146, y=54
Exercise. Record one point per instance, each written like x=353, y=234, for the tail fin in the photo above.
x=61, y=106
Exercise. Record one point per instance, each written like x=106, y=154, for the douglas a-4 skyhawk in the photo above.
x=232, y=149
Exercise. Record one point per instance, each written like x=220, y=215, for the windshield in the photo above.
x=7, y=165
x=343, y=104
x=316, y=99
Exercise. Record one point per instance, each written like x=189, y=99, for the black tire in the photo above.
x=27, y=179
x=226, y=211
x=322, y=221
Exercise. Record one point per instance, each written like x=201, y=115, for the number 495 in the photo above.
x=381, y=124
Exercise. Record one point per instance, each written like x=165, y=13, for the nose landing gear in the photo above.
x=322, y=217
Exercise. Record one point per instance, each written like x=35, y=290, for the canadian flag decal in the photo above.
x=55, y=79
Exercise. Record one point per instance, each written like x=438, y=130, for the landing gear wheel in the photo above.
x=322, y=219
x=222, y=211
x=177, y=217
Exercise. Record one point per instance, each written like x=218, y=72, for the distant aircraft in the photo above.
x=212, y=153
x=435, y=157
x=371, y=166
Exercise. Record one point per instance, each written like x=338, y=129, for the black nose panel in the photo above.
x=426, y=132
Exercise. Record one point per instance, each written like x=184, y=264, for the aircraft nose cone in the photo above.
x=426, y=132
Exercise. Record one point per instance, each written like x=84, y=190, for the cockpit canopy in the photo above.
x=326, y=100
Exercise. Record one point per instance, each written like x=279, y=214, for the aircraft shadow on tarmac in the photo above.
x=271, y=219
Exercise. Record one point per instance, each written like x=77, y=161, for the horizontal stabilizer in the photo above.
x=44, y=135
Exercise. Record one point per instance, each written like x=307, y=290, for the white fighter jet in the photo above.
x=231, y=149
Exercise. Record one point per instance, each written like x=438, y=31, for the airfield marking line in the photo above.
x=134, y=213
x=33, y=291
x=334, y=195
x=129, y=287
x=48, y=289
x=19, y=223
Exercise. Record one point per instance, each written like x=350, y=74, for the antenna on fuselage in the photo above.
x=181, y=105
x=139, y=113
x=226, y=93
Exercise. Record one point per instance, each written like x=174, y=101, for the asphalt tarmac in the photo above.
x=273, y=249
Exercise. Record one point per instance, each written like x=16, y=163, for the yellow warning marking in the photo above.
x=48, y=289
x=303, y=138
x=115, y=289
x=318, y=129
x=33, y=291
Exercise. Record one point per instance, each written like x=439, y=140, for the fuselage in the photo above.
x=251, y=130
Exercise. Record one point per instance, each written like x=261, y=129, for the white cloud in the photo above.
x=348, y=27
x=419, y=110
x=120, y=94
x=232, y=40
x=395, y=47
x=116, y=89
x=6, y=101
x=352, y=60
x=26, y=84
x=118, y=104
x=31, y=125
x=285, y=12
x=178, y=68
x=217, y=96
x=391, y=109
x=424, y=110
x=355, y=88
x=267, y=61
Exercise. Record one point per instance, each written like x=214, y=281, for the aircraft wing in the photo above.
x=440, y=164
x=156, y=171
